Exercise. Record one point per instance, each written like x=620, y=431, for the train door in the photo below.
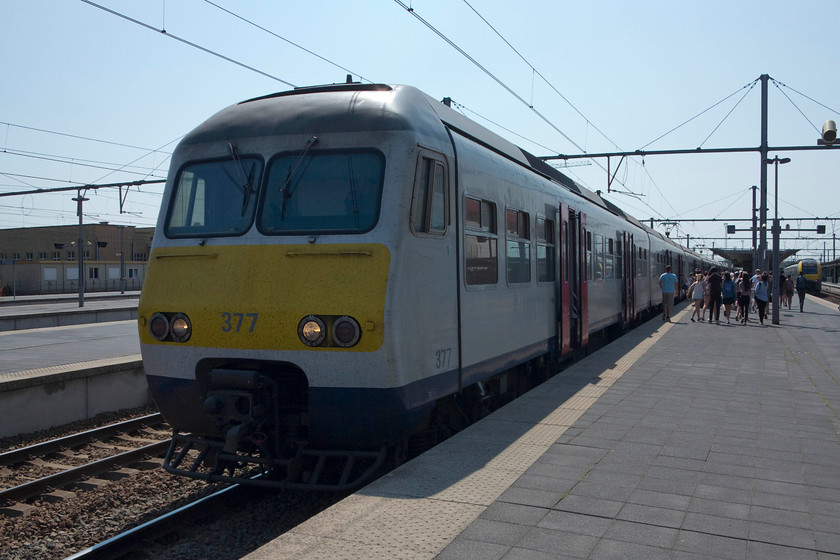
x=629, y=274
x=574, y=248
x=564, y=289
x=681, y=269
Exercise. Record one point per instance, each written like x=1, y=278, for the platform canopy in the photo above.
x=743, y=258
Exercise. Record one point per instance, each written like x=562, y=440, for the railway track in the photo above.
x=46, y=468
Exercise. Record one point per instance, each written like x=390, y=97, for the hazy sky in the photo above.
x=89, y=97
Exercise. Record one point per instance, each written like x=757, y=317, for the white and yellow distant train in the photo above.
x=345, y=273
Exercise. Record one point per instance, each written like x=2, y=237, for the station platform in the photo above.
x=73, y=364
x=679, y=440
x=56, y=310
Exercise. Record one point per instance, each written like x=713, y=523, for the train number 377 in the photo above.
x=239, y=322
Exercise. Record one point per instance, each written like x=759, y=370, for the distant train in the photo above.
x=811, y=270
x=348, y=273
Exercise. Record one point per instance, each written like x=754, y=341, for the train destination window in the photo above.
x=545, y=250
x=322, y=192
x=429, y=208
x=518, y=246
x=214, y=198
x=481, y=258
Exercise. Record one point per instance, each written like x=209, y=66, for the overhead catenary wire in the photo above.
x=186, y=42
x=273, y=34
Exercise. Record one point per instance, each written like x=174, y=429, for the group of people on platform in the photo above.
x=733, y=290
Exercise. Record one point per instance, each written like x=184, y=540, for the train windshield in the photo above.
x=316, y=192
x=214, y=198
x=809, y=267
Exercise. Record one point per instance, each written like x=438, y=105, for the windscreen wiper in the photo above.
x=287, y=189
x=247, y=186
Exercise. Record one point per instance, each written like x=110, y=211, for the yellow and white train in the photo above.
x=343, y=274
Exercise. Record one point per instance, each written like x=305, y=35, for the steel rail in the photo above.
x=134, y=539
x=74, y=474
x=75, y=440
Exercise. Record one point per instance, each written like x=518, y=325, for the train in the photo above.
x=811, y=269
x=343, y=275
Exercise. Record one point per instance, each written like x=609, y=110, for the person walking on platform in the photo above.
x=744, y=297
x=756, y=278
x=727, y=292
x=801, y=287
x=695, y=292
x=789, y=291
x=715, y=282
x=762, y=293
x=668, y=282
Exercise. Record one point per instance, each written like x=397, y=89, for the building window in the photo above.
x=42, y=255
x=133, y=272
x=93, y=272
x=56, y=255
x=30, y=255
x=481, y=258
x=518, y=246
x=71, y=255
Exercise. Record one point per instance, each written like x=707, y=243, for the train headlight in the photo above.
x=312, y=331
x=180, y=327
x=159, y=326
x=346, y=332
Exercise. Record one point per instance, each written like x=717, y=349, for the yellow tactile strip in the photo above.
x=52, y=374
x=415, y=511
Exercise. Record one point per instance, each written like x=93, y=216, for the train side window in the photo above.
x=518, y=246
x=564, y=263
x=599, y=264
x=619, y=260
x=429, y=207
x=588, y=264
x=545, y=250
x=481, y=255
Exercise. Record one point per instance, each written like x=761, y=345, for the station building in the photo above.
x=45, y=260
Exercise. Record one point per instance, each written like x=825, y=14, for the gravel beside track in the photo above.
x=59, y=529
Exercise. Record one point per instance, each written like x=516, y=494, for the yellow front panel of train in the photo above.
x=254, y=296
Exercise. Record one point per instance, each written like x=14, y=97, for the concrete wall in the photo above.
x=41, y=399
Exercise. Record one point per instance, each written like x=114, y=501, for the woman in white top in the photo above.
x=696, y=291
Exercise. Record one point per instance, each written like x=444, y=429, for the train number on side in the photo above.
x=443, y=358
x=238, y=322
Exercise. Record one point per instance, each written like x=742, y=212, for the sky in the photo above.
x=98, y=93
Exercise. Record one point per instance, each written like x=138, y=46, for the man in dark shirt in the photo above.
x=715, y=283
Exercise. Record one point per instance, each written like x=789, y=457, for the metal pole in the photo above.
x=762, y=242
x=776, y=232
x=122, y=261
x=754, y=231
x=79, y=200
x=777, y=229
